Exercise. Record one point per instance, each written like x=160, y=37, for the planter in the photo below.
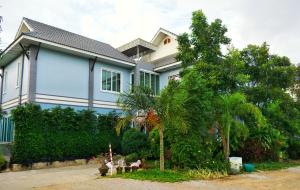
x=134, y=168
x=127, y=169
x=249, y=167
x=103, y=171
x=119, y=170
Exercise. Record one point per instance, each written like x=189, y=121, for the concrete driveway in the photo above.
x=86, y=177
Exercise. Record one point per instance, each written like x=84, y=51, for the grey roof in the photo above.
x=63, y=37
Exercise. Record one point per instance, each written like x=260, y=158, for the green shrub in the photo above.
x=61, y=134
x=133, y=141
x=153, y=141
x=2, y=162
x=293, y=149
x=133, y=157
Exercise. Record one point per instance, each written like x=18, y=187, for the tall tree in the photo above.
x=204, y=43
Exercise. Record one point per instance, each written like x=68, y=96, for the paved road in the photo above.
x=86, y=177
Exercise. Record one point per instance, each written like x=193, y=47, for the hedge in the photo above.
x=61, y=134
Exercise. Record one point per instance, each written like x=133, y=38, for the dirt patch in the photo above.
x=87, y=177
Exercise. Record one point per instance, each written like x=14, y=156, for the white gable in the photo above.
x=24, y=27
x=166, y=43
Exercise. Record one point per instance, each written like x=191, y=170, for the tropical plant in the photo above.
x=140, y=108
x=133, y=141
x=231, y=109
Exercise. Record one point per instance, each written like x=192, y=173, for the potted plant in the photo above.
x=119, y=170
x=103, y=169
x=134, y=168
x=127, y=168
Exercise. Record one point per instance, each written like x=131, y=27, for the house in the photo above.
x=50, y=66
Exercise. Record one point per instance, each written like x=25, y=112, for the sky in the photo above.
x=119, y=21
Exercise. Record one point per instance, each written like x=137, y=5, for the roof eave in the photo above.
x=35, y=41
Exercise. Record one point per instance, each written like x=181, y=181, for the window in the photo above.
x=5, y=82
x=132, y=81
x=18, y=74
x=150, y=80
x=6, y=130
x=167, y=41
x=111, y=81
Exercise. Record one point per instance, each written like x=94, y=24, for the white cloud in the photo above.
x=119, y=21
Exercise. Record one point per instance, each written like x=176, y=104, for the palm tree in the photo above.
x=140, y=108
x=229, y=106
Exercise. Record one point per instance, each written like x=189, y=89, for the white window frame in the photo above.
x=115, y=71
x=5, y=82
x=18, y=74
x=150, y=73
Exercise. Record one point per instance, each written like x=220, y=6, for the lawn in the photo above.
x=185, y=175
x=266, y=166
x=172, y=175
x=156, y=175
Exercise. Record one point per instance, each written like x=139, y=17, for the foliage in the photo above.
x=293, y=149
x=276, y=165
x=174, y=175
x=133, y=141
x=142, y=110
x=153, y=141
x=156, y=175
x=60, y=134
x=207, y=174
x=133, y=157
x=2, y=162
x=264, y=143
x=194, y=47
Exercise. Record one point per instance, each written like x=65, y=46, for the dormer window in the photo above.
x=167, y=40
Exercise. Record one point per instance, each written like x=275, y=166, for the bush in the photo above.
x=153, y=141
x=2, y=162
x=133, y=141
x=133, y=157
x=294, y=148
x=61, y=134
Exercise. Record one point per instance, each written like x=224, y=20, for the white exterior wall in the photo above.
x=164, y=50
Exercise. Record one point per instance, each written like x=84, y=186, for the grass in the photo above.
x=267, y=166
x=172, y=175
x=156, y=175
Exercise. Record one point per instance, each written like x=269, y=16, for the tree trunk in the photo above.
x=161, y=150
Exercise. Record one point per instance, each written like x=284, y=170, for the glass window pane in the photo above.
x=142, y=79
x=118, y=82
x=114, y=82
x=147, y=80
x=132, y=81
x=108, y=79
x=153, y=77
x=157, y=84
x=104, y=80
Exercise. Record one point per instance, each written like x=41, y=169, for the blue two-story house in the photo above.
x=50, y=66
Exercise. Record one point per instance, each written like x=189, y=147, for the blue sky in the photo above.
x=118, y=21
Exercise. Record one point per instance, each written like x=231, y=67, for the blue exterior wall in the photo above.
x=163, y=77
x=11, y=69
x=109, y=96
x=62, y=74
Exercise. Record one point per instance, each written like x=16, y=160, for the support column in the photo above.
x=1, y=90
x=21, y=78
x=32, y=73
x=91, y=83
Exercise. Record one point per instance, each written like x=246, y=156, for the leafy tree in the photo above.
x=270, y=75
x=204, y=42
